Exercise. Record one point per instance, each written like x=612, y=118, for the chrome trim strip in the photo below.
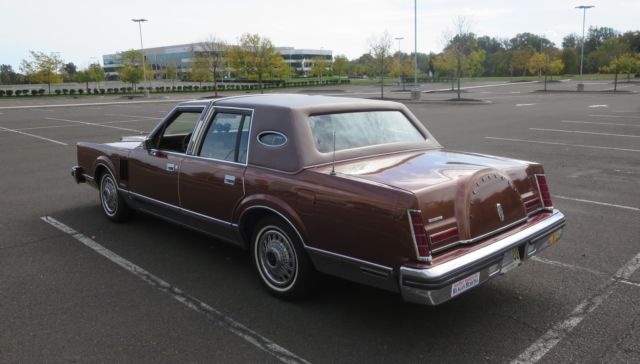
x=286, y=140
x=208, y=119
x=178, y=209
x=88, y=177
x=494, y=232
x=458, y=264
x=348, y=258
x=413, y=237
x=481, y=237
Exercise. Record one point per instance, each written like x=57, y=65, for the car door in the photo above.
x=153, y=171
x=212, y=178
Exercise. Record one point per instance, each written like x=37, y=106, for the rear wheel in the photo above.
x=113, y=205
x=280, y=259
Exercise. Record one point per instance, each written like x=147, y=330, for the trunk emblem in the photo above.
x=500, y=212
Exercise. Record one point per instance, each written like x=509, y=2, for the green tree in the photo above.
x=340, y=65
x=571, y=60
x=131, y=70
x=318, y=67
x=7, y=75
x=69, y=71
x=255, y=56
x=83, y=76
x=43, y=68
x=474, y=65
x=95, y=73
x=520, y=60
x=214, y=52
x=200, y=69
x=555, y=67
x=172, y=73
x=537, y=63
x=380, y=49
x=445, y=65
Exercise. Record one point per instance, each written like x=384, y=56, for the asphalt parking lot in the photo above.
x=200, y=301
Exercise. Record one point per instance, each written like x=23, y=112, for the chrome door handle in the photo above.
x=229, y=180
x=171, y=167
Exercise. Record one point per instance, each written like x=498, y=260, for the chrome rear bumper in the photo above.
x=435, y=285
x=78, y=174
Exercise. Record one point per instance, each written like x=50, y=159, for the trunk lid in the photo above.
x=462, y=196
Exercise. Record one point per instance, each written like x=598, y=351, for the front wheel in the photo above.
x=280, y=259
x=113, y=205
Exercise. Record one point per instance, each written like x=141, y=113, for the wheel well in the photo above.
x=100, y=170
x=250, y=219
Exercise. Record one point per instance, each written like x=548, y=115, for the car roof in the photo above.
x=296, y=101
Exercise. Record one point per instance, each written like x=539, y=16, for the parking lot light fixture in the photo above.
x=584, y=15
x=144, y=73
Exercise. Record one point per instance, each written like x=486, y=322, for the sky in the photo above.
x=84, y=30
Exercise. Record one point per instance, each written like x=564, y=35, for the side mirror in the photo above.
x=147, y=144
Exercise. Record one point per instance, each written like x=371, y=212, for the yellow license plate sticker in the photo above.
x=510, y=260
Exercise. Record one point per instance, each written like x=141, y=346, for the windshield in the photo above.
x=362, y=129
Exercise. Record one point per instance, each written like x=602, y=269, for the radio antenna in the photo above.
x=333, y=161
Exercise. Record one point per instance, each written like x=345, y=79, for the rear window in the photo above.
x=362, y=129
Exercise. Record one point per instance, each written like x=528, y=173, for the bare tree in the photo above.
x=380, y=49
x=461, y=43
x=213, y=52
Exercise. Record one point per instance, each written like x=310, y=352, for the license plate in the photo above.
x=465, y=284
x=510, y=260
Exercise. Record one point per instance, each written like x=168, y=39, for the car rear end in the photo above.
x=475, y=227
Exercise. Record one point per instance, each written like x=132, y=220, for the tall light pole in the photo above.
x=584, y=15
x=415, y=94
x=144, y=73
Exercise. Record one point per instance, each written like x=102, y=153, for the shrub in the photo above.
x=102, y=91
x=96, y=91
x=72, y=91
x=18, y=92
x=140, y=88
x=9, y=92
x=179, y=88
x=116, y=90
x=25, y=91
x=41, y=91
x=65, y=91
x=2, y=92
x=196, y=88
x=129, y=89
x=57, y=92
x=109, y=90
x=80, y=91
x=34, y=92
x=123, y=89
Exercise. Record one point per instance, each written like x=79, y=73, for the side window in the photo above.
x=227, y=138
x=176, y=135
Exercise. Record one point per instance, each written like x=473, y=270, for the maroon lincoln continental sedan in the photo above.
x=354, y=188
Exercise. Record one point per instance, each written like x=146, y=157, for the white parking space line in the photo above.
x=568, y=266
x=629, y=282
x=596, y=203
x=32, y=135
x=92, y=104
x=193, y=303
x=95, y=124
x=563, y=144
x=614, y=116
x=598, y=106
x=518, y=105
x=134, y=116
x=561, y=329
x=597, y=123
x=586, y=132
x=73, y=125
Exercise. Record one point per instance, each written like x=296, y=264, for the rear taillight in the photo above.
x=419, y=234
x=543, y=188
